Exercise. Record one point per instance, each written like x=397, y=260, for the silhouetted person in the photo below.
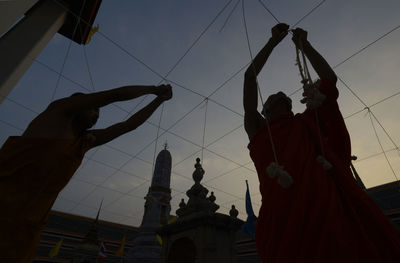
x=312, y=209
x=36, y=166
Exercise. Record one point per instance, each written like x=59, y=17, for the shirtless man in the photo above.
x=310, y=212
x=36, y=166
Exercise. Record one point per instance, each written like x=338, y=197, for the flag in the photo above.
x=120, y=250
x=103, y=250
x=91, y=33
x=159, y=239
x=171, y=219
x=249, y=227
x=54, y=251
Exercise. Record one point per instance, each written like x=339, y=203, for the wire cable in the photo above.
x=380, y=144
x=68, y=49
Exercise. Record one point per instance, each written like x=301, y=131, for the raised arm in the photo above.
x=319, y=64
x=75, y=104
x=105, y=135
x=252, y=118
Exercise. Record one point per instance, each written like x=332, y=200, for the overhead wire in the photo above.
x=229, y=16
x=381, y=146
x=269, y=11
x=372, y=105
x=374, y=155
x=146, y=180
x=68, y=49
x=309, y=13
x=204, y=128
x=367, y=46
x=370, y=111
x=302, y=18
x=342, y=62
x=61, y=74
x=258, y=86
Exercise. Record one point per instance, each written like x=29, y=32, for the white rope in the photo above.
x=204, y=128
x=273, y=169
x=306, y=80
x=258, y=87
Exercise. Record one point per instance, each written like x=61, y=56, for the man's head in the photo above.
x=85, y=119
x=277, y=104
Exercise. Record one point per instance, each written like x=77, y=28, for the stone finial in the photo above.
x=199, y=172
x=233, y=212
x=212, y=197
x=182, y=208
x=198, y=200
x=166, y=145
x=182, y=203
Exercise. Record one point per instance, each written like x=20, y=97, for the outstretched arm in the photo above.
x=75, y=104
x=105, y=135
x=252, y=118
x=320, y=65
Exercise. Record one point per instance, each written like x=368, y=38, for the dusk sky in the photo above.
x=158, y=33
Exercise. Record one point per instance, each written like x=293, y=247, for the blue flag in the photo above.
x=249, y=227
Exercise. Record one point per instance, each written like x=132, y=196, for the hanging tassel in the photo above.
x=284, y=178
x=325, y=164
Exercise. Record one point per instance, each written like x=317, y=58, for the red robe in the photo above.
x=32, y=173
x=324, y=216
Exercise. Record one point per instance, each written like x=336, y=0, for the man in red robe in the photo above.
x=313, y=210
x=36, y=166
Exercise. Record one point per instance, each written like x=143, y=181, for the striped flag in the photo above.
x=103, y=250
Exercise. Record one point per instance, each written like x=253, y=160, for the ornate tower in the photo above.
x=200, y=235
x=88, y=250
x=146, y=247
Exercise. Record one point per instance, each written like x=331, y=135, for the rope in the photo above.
x=269, y=11
x=366, y=107
x=68, y=49
x=367, y=46
x=229, y=16
x=156, y=140
x=380, y=144
x=384, y=130
x=375, y=154
x=306, y=79
x=258, y=87
x=311, y=11
x=204, y=129
x=88, y=68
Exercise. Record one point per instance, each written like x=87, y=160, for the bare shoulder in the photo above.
x=51, y=123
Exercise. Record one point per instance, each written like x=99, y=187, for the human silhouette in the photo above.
x=36, y=166
x=312, y=209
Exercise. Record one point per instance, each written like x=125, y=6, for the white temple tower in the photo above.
x=146, y=247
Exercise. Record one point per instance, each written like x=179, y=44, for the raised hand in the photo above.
x=279, y=32
x=299, y=36
x=164, y=92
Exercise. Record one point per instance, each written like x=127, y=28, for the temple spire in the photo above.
x=91, y=237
